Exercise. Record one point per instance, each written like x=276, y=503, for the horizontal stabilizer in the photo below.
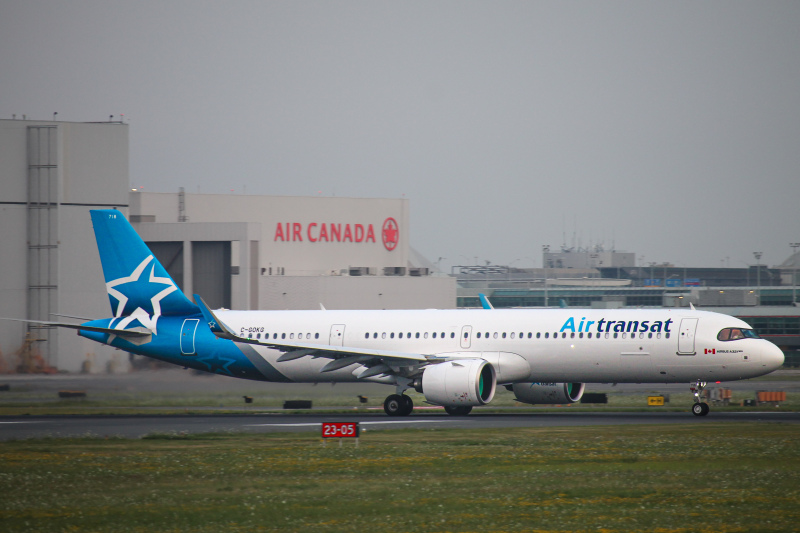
x=138, y=333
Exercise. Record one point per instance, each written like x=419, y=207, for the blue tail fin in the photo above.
x=135, y=280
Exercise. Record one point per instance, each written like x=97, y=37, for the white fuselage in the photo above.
x=539, y=345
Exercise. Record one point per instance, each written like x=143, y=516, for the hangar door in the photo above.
x=211, y=272
x=170, y=255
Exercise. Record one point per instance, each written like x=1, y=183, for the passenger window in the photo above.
x=383, y=335
x=495, y=335
x=375, y=335
x=504, y=334
x=512, y=335
x=391, y=335
x=425, y=335
x=589, y=335
x=538, y=335
x=400, y=335
x=283, y=335
x=547, y=335
x=366, y=335
x=434, y=334
x=479, y=334
x=531, y=335
x=417, y=335
x=564, y=335
x=453, y=335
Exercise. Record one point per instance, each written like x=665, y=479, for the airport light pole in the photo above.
x=545, y=251
x=758, y=255
x=794, y=246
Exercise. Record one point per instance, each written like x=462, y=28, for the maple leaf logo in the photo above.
x=390, y=234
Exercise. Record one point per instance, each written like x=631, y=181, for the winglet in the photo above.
x=485, y=303
x=216, y=326
x=691, y=305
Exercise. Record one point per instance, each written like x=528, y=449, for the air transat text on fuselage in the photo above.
x=617, y=326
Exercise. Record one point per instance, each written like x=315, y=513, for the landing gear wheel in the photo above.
x=458, y=411
x=396, y=405
x=699, y=408
x=408, y=405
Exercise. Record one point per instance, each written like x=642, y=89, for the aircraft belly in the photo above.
x=575, y=365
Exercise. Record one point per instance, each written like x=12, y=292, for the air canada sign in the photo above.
x=337, y=232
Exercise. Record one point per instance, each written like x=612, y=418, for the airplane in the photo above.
x=455, y=358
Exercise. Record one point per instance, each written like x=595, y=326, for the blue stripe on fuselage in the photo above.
x=212, y=354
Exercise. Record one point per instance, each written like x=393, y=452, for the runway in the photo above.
x=24, y=427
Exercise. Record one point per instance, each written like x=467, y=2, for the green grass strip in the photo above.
x=686, y=478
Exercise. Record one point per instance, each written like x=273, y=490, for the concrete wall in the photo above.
x=91, y=172
x=357, y=292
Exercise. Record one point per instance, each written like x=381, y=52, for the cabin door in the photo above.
x=686, y=336
x=187, y=335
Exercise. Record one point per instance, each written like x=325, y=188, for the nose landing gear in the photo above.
x=699, y=408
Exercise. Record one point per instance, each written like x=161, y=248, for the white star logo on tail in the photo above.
x=146, y=286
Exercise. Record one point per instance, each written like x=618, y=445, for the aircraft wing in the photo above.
x=341, y=356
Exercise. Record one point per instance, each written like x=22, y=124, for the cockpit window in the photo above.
x=732, y=334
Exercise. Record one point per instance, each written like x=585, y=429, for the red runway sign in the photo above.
x=338, y=430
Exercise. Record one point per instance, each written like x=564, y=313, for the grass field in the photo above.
x=715, y=477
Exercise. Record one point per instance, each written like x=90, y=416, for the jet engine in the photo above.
x=548, y=392
x=463, y=382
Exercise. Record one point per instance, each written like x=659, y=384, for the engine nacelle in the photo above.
x=462, y=382
x=548, y=392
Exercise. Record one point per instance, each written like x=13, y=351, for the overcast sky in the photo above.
x=669, y=129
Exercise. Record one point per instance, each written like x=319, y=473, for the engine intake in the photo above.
x=463, y=382
x=548, y=392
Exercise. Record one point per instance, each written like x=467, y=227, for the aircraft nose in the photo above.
x=773, y=357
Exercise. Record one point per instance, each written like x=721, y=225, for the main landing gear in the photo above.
x=699, y=408
x=398, y=405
